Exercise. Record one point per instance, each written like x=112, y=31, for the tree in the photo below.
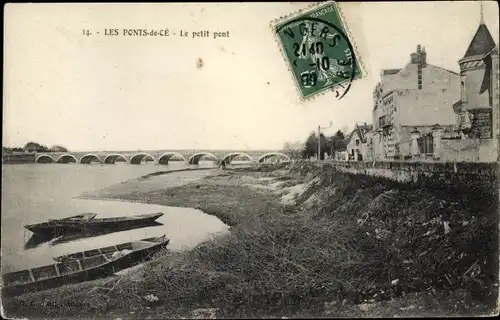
x=293, y=149
x=57, y=148
x=34, y=147
x=311, y=146
x=338, y=142
x=11, y=150
x=37, y=147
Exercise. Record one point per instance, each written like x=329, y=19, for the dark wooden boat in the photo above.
x=82, y=216
x=88, y=222
x=38, y=239
x=54, y=227
x=102, y=263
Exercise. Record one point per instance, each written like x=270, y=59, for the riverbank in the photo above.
x=304, y=241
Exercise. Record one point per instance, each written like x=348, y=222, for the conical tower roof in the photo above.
x=482, y=42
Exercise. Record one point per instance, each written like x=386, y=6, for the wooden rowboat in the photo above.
x=69, y=271
x=87, y=222
x=82, y=216
x=98, y=251
x=54, y=228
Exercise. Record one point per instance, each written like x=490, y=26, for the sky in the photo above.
x=128, y=93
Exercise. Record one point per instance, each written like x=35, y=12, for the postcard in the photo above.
x=252, y=160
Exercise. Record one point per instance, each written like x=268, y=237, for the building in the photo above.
x=357, y=147
x=495, y=88
x=341, y=155
x=477, y=110
x=416, y=96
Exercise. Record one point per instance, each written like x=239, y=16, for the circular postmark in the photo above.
x=320, y=54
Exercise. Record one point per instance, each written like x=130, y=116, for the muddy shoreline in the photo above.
x=296, y=248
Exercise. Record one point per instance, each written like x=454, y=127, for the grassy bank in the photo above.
x=307, y=241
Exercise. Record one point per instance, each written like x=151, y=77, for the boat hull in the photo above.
x=102, y=225
x=129, y=260
x=61, y=227
x=52, y=230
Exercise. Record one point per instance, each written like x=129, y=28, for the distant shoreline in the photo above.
x=18, y=158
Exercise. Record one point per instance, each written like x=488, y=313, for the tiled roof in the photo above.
x=482, y=42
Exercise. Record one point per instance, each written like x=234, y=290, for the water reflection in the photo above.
x=38, y=239
x=34, y=193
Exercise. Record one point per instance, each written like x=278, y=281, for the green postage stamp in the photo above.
x=317, y=48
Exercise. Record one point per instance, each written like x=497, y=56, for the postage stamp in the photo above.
x=316, y=45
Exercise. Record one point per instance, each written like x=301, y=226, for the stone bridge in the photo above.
x=159, y=156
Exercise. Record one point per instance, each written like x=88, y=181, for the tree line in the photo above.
x=309, y=148
x=34, y=147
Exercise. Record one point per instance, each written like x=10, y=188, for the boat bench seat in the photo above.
x=91, y=253
x=91, y=262
x=127, y=246
x=108, y=249
x=68, y=267
x=44, y=272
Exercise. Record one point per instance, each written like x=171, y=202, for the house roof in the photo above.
x=390, y=71
x=361, y=131
x=447, y=70
x=481, y=43
x=398, y=71
x=457, y=105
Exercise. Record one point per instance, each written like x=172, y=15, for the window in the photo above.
x=465, y=120
x=426, y=144
x=381, y=121
x=357, y=142
x=464, y=87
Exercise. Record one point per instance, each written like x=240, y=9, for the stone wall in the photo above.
x=468, y=150
x=18, y=158
x=420, y=108
x=415, y=171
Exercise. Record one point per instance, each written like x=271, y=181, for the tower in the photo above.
x=475, y=73
x=495, y=87
x=419, y=67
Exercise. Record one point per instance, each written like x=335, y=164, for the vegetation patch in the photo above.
x=349, y=245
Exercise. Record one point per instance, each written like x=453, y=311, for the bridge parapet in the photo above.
x=157, y=156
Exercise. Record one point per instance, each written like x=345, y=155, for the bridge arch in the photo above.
x=66, y=158
x=89, y=158
x=230, y=157
x=112, y=158
x=138, y=157
x=44, y=158
x=263, y=157
x=164, y=158
x=195, y=158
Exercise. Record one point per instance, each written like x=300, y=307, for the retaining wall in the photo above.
x=414, y=171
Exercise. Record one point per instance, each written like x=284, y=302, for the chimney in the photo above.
x=424, y=57
x=413, y=57
x=419, y=67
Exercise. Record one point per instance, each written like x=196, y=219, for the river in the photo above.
x=33, y=193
